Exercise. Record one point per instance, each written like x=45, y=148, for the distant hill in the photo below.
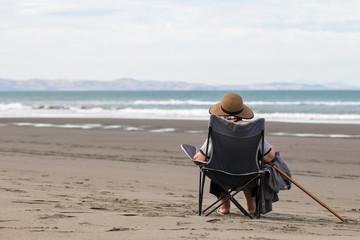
x=128, y=84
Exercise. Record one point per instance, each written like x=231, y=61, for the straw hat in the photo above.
x=232, y=105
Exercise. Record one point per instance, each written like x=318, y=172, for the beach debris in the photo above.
x=56, y=216
x=183, y=223
x=117, y=229
x=98, y=208
x=129, y=214
x=35, y=201
x=213, y=220
x=188, y=196
x=13, y=190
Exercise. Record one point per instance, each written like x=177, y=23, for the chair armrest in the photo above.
x=199, y=163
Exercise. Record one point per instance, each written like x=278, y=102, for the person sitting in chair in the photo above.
x=233, y=109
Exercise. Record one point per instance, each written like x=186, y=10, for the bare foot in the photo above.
x=225, y=208
x=250, y=202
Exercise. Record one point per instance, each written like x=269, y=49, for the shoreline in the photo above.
x=341, y=122
x=179, y=125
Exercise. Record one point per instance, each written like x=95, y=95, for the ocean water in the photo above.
x=281, y=106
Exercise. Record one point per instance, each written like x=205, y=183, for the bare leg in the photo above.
x=250, y=201
x=225, y=208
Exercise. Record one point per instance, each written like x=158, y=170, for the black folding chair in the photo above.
x=234, y=161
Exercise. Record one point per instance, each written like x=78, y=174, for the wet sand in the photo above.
x=134, y=182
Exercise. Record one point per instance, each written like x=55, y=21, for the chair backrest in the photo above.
x=235, y=146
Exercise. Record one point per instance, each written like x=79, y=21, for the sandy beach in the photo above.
x=129, y=179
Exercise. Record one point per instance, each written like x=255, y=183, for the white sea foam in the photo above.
x=174, y=113
x=163, y=130
x=82, y=126
x=310, y=103
x=50, y=125
x=179, y=109
x=172, y=102
x=250, y=103
x=310, y=117
x=314, y=135
x=195, y=131
x=112, y=126
x=23, y=124
x=40, y=125
x=98, y=106
x=88, y=126
x=130, y=128
x=13, y=106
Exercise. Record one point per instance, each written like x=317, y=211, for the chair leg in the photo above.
x=258, y=197
x=230, y=197
x=257, y=202
x=219, y=199
x=200, y=194
x=211, y=206
x=201, y=191
x=237, y=204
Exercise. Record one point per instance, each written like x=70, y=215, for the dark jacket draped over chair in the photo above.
x=274, y=182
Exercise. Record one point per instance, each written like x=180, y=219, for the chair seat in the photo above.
x=230, y=181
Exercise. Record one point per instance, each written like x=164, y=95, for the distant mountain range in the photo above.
x=128, y=84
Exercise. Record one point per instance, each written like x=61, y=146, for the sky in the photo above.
x=198, y=41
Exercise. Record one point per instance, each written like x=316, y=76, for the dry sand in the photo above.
x=58, y=183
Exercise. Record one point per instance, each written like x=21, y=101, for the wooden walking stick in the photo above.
x=305, y=191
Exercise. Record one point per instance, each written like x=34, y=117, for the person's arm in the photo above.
x=269, y=151
x=200, y=156
x=269, y=156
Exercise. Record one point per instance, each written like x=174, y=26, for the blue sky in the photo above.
x=217, y=42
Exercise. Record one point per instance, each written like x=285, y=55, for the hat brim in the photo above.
x=246, y=113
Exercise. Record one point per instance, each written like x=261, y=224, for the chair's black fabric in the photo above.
x=234, y=154
x=235, y=146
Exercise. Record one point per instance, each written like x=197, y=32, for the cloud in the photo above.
x=181, y=40
x=36, y=7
